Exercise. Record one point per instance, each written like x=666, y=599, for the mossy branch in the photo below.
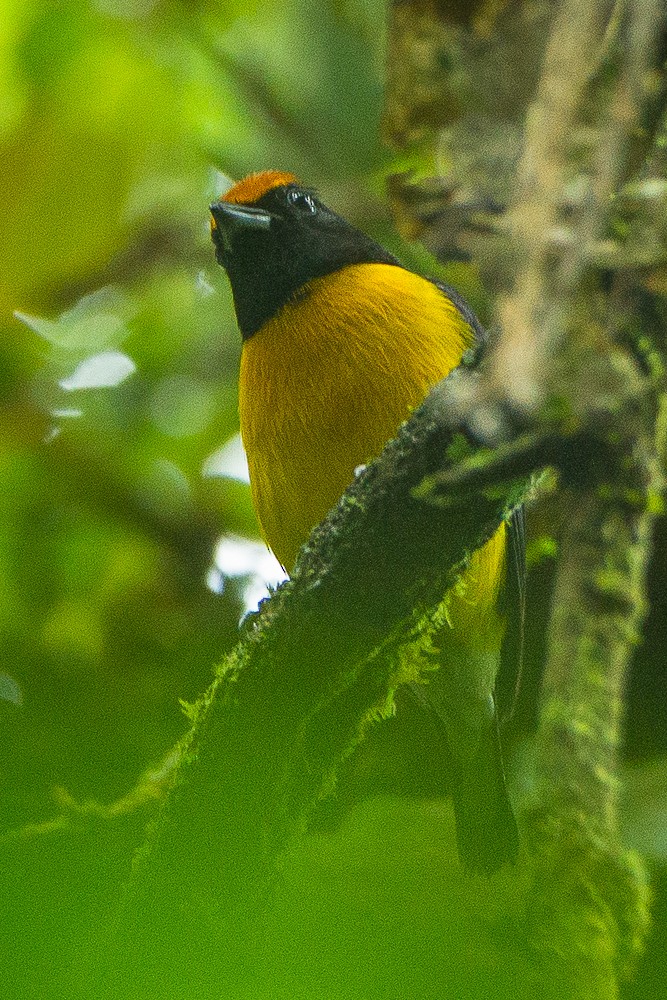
x=588, y=114
x=314, y=667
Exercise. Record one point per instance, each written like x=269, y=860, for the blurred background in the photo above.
x=128, y=546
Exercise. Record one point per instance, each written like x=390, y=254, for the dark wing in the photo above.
x=465, y=310
x=513, y=598
x=513, y=603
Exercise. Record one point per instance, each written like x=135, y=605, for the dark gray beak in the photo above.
x=229, y=217
x=231, y=223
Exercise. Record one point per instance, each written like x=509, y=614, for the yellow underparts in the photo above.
x=323, y=386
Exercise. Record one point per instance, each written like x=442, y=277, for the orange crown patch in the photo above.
x=254, y=186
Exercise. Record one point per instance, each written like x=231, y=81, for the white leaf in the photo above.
x=101, y=370
x=228, y=462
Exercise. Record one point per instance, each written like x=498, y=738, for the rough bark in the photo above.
x=567, y=285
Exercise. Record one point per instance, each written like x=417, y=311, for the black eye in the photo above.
x=302, y=200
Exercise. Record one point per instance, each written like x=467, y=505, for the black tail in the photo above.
x=486, y=832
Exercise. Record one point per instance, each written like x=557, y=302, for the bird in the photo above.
x=340, y=342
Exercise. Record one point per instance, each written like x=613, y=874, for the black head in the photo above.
x=272, y=236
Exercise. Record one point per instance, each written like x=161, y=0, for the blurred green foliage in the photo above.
x=119, y=121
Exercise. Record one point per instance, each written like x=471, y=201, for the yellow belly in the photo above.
x=327, y=381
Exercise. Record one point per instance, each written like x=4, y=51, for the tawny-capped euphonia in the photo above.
x=340, y=343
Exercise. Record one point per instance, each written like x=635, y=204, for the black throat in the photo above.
x=268, y=268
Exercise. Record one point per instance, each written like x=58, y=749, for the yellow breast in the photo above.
x=329, y=379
